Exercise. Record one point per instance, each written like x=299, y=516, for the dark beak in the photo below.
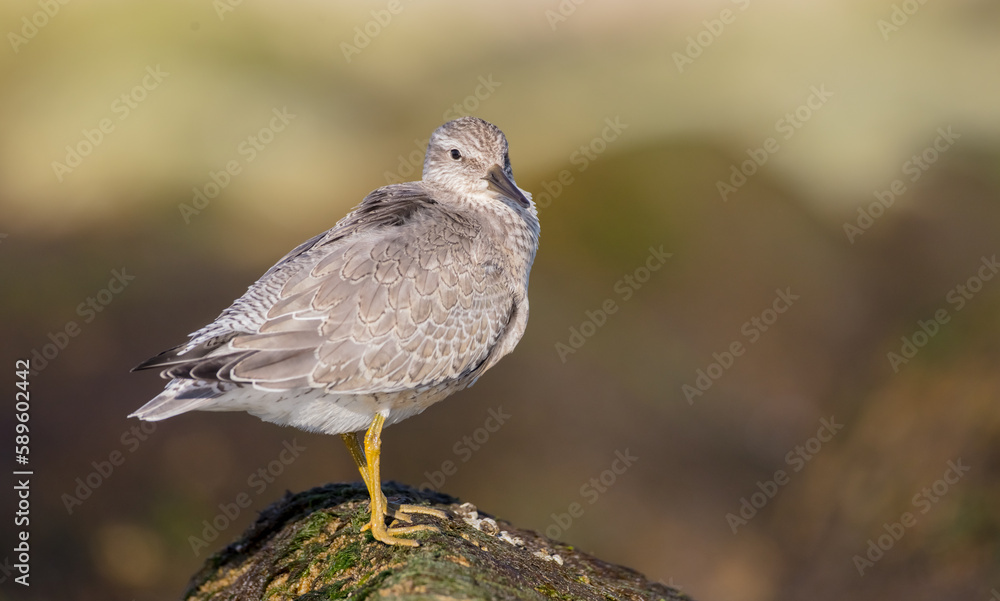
x=498, y=182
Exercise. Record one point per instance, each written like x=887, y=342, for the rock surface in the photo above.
x=310, y=546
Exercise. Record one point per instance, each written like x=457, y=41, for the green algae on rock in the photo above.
x=310, y=546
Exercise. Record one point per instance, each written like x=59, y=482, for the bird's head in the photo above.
x=469, y=156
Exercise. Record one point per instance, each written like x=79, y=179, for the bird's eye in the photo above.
x=455, y=154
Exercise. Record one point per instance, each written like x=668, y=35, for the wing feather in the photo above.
x=397, y=296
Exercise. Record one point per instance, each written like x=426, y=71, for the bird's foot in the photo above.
x=388, y=535
x=367, y=459
x=401, y=513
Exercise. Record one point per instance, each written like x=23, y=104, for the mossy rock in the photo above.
x=309, y=546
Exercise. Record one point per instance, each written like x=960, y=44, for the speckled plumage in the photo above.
x=409, y=298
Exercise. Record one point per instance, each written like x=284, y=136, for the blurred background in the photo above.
x=769, y=240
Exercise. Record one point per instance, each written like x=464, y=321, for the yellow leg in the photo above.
x=358, y=454
x=368, y=465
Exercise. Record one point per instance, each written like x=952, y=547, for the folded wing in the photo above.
x=398, y=296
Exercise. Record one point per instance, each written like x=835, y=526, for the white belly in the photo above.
x=315, y=410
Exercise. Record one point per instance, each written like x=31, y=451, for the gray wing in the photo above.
x=398, y=296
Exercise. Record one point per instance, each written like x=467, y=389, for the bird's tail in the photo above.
x=180, y=396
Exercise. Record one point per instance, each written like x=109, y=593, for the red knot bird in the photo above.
x=410, y=297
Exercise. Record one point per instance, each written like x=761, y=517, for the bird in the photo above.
x=412, y=296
